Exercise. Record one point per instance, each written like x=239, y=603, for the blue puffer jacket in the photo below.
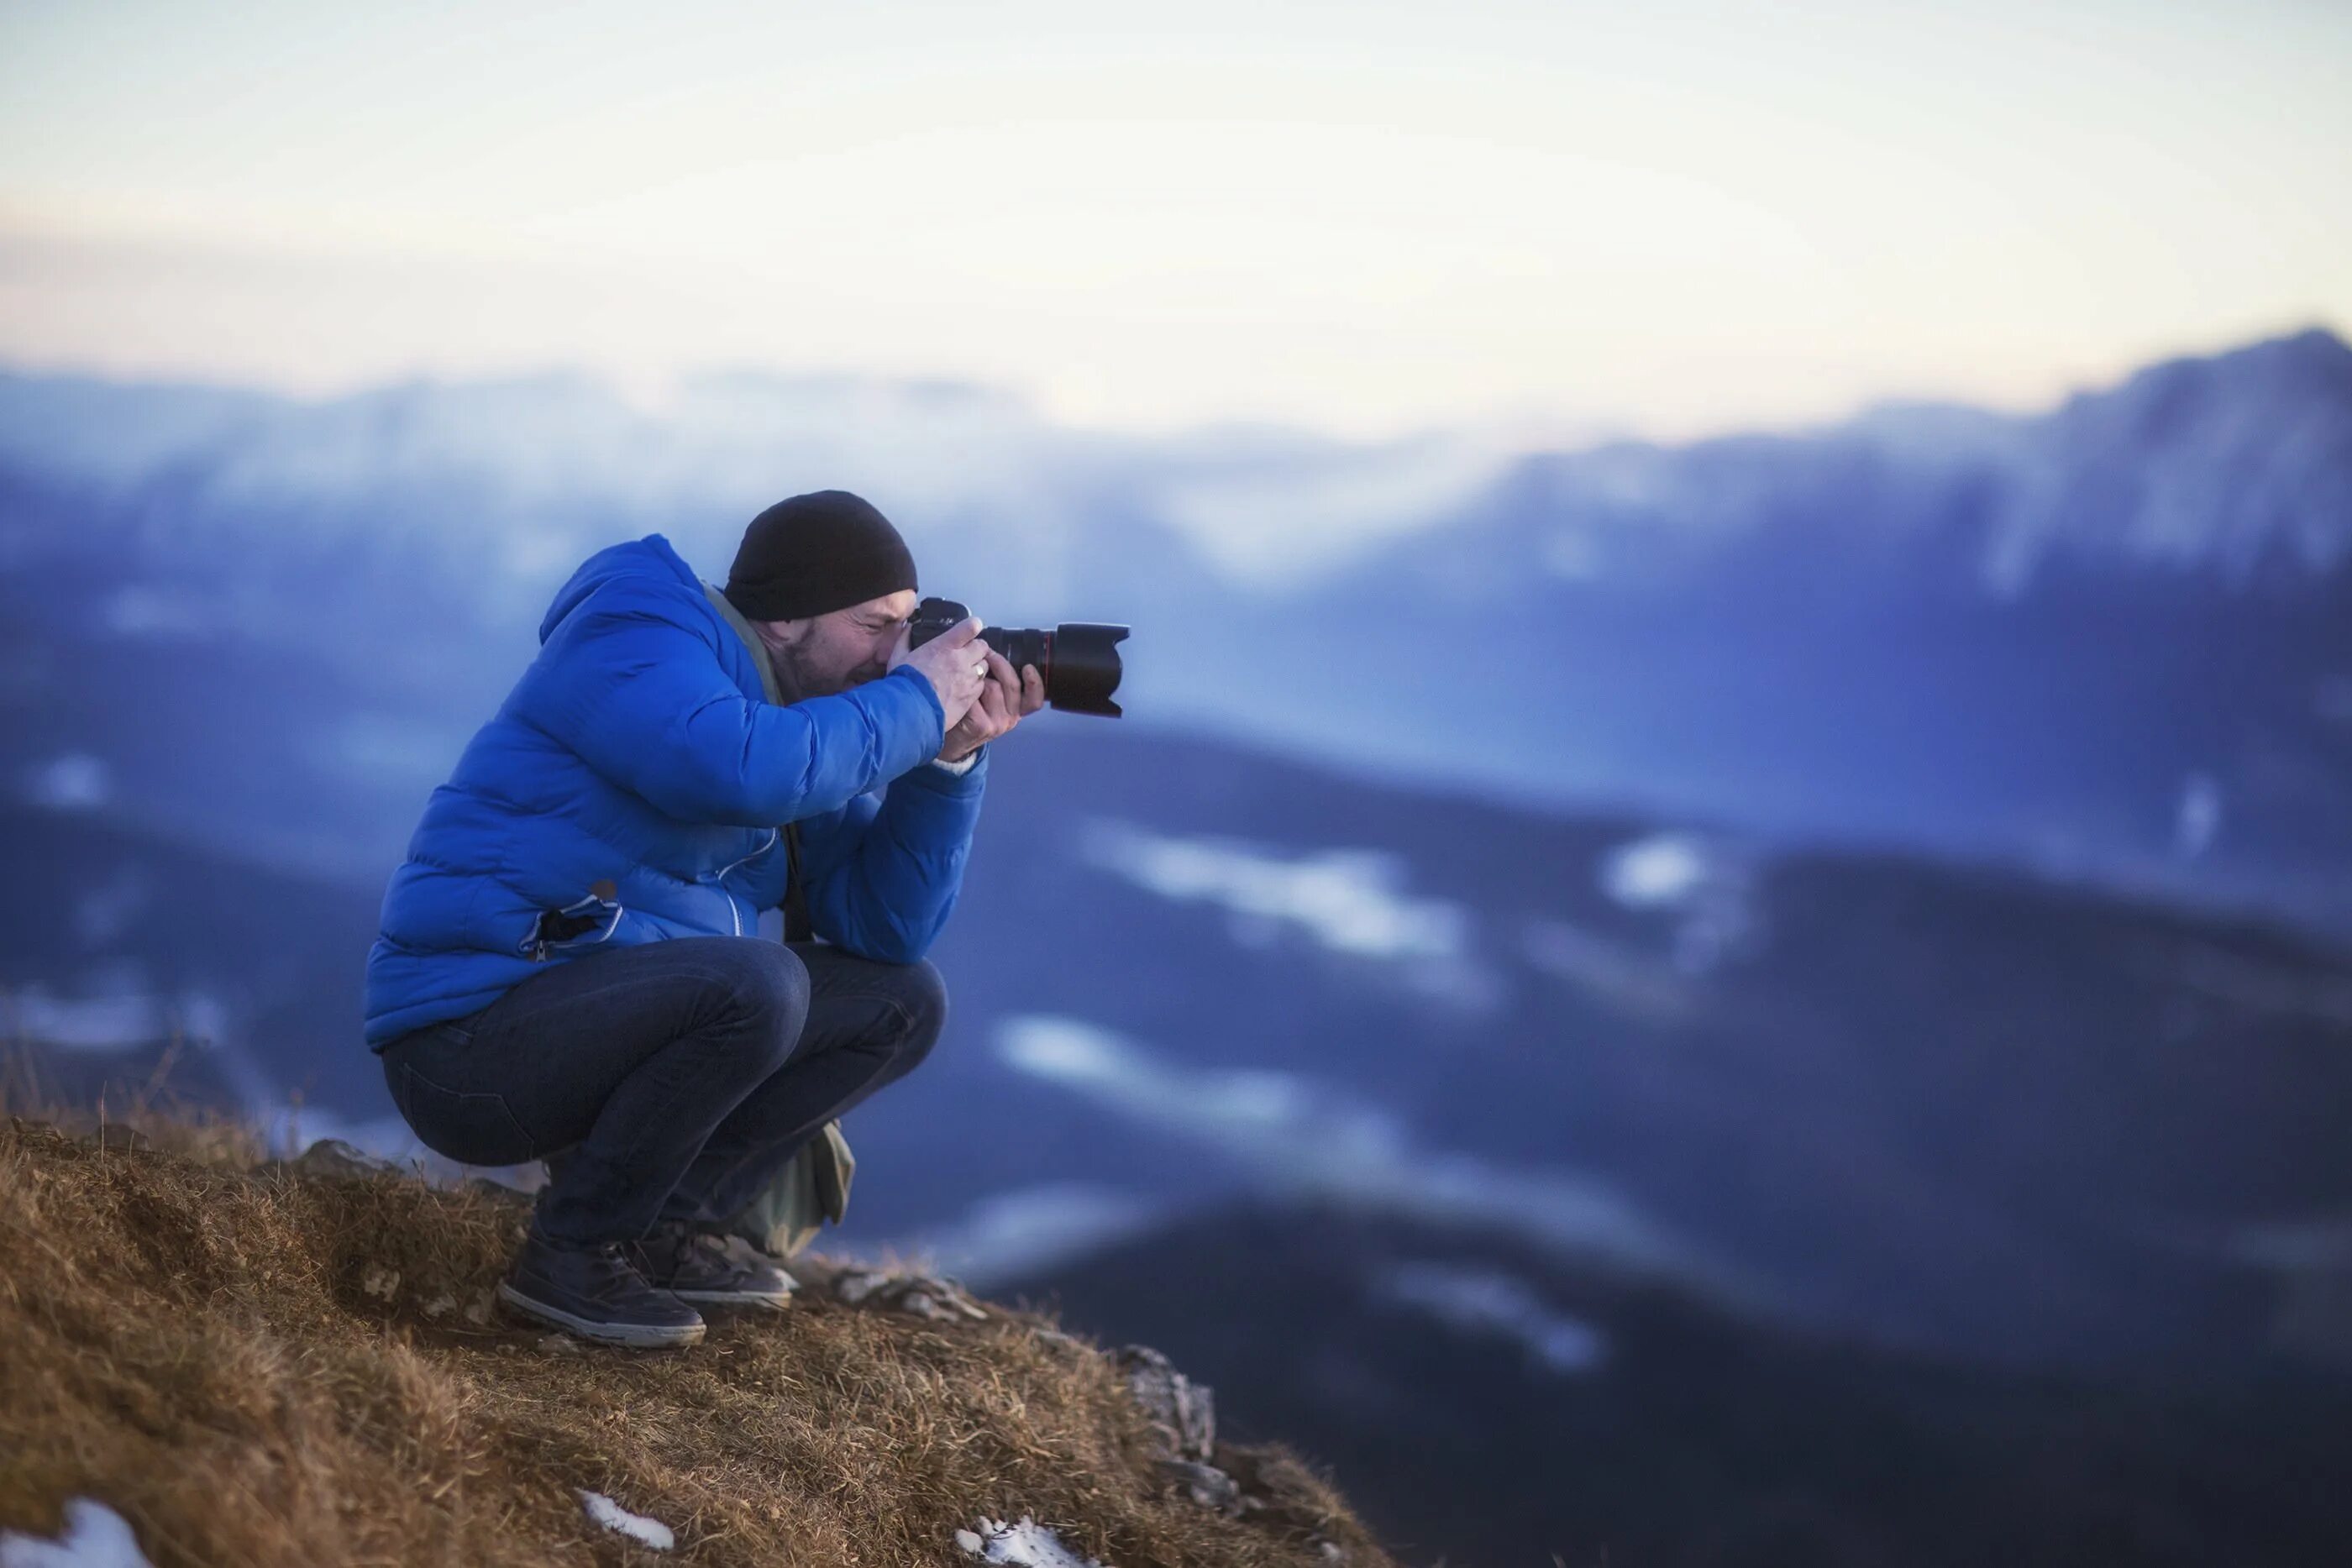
x=637, y=751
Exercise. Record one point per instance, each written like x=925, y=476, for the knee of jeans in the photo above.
x=772, y=989
x=922, y=990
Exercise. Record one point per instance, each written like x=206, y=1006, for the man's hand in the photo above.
x=1005, y=699
x=952, y=661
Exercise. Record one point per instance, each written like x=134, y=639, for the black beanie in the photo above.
x=822, y=551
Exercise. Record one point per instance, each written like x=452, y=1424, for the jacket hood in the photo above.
x=650, y=558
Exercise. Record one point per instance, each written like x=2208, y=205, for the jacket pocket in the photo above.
x=581, y=923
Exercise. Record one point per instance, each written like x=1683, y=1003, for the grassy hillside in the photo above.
x=266, y=1366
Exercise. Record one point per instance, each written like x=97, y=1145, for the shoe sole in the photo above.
x=632, y=1336
x=773, y=1301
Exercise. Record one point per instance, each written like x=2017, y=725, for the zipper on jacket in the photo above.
x=734, y=911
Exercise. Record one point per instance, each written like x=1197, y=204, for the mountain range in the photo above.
x=2107, y=641
x=1872, y=900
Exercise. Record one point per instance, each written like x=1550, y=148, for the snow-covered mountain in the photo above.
x=2110, y=640
x=2113, y=640
x=1537, y=1066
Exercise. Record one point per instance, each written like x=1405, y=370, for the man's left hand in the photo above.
x=1005, y=699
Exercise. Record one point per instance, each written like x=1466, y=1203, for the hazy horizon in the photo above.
x=1357, y=220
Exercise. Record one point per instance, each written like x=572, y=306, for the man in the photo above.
x=570, y=964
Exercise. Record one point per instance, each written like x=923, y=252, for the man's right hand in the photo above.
x=955, y=663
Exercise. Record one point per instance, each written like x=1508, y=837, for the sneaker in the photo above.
x=598, y=1293
x=696, y=1266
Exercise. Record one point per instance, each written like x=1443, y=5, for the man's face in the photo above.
x=831, y=652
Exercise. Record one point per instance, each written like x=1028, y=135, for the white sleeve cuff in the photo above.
x=957, y=769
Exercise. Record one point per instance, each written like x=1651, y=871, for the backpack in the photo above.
x=815, y=1187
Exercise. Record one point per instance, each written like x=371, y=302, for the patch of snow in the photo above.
x=1312, y=507
x=1661, y=872
x=1016, y=1234
x=2199, y=816
x=1248, y=1110
x=76, y=781
x=1634, y=984
x=1027, y=1545
x=95, y=1537
x=113, y=1020
x=1708, y=884
x=1348, y=901
x=1291, y=1133
x=604, y=1510
x=1490, y=1301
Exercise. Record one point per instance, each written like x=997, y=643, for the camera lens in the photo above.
x=1083, y=668
x=1079, y=659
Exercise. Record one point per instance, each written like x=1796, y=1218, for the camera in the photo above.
x=1078, y=659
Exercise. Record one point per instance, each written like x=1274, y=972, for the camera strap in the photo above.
x=797, y=925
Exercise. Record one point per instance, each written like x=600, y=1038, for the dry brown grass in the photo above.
x=266, y=1369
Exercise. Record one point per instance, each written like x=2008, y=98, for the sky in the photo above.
x=1366, y=218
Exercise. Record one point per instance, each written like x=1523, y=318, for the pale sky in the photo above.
x=1363, y=217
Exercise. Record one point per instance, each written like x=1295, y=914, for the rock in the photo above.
x=1206, y=1485
x=1183, y=1411
x=495, y=1191
x=440, y=1306
x=336, y=1160
x=378, y=1281
x=478, y=1310
x=922, y=1295
x=1183, y=1416
x=559, y=1344
x=852, y=1286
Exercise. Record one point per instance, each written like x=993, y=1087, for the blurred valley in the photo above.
x=1868, y=912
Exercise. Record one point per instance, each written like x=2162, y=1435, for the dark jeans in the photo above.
x=680, y=1075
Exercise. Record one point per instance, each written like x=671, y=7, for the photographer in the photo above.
x=569, y=963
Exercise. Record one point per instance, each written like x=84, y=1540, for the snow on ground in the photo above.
x=604, y=1510
x=1288, y=1131
x=1709, y=885
x=1662, y=871
x=1027, y=1545
x=115, y=1016
x=1484, y=1300
x=1619, y=977
x=1349, y=901
x=1013, y=1235
x=95, y=1537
